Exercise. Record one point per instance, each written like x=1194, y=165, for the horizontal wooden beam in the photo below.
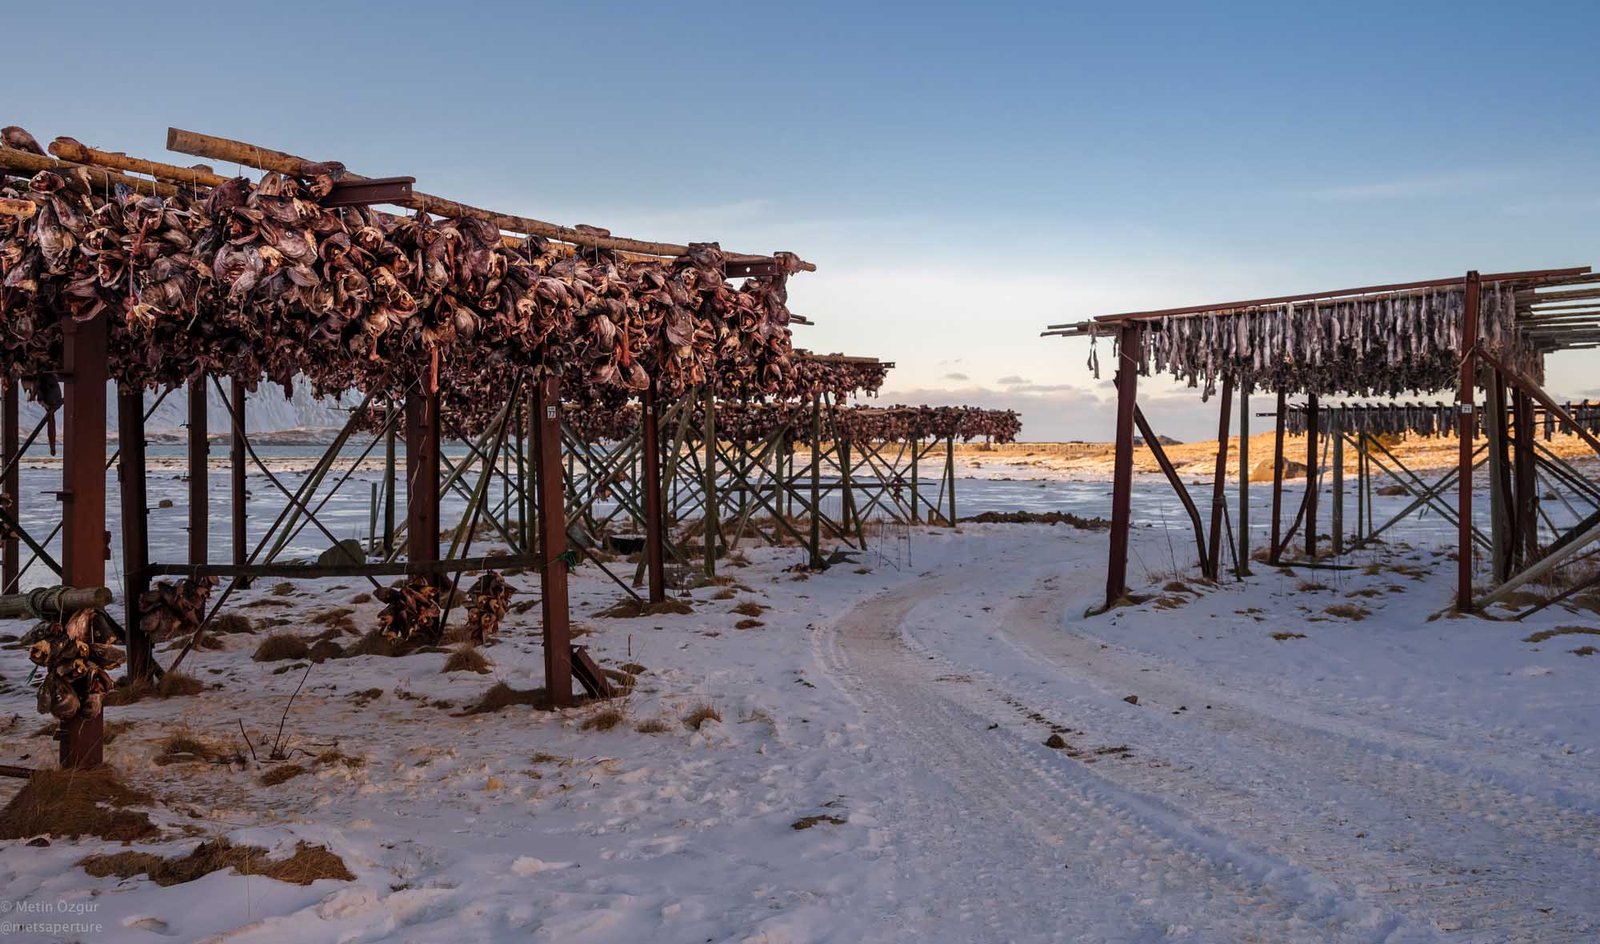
x=317, y=571
x=1331, y=295
x=212, y=147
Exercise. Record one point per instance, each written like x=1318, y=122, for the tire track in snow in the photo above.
x=1469, y=856
x=1028, y=845
x=1463, y=858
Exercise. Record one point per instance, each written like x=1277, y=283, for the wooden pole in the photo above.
x=236, y=457
x=816, y=482
x=1527, y=495
x=1219, y=483
x=1313, y=470
x=1465, y=429
x=11, y=485
x=654, y=526
x=84, y=541
x=553, y=528
x=1499, y=474
x=1336, y=431
x=950, y=470
x=422, y=467
x=1122, y=469
x=1244, y=482
x=199, y=474
x=1277, y=480
x=390, y=480
x=712, y=521
x=131, y=482
x=916, y=498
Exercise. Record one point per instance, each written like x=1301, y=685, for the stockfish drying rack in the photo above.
x=1478, y=332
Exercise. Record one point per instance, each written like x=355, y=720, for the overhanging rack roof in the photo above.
x=1364, y=341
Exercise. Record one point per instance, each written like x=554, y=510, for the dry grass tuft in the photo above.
x=280, y=774
x=172, y=685
x=361, y=598
x=749, y=624
x=467, y=658
x=605, y=719
x=308, y=864
x=1284, y=637
x=1544, y=634
x=229, y=623
x=1310, y=586
x=500, y=695
x=749, y=608
x=76, y=803
x=336, y=756
x=629, y=609
x=726, y=593
x=184, y=746
x=806, y=822
x=1349, y=611
x=1584, y=651
x=281, y=646
x=1176, y=586
x=653, y=726
x=699, y=715
x=376, y=643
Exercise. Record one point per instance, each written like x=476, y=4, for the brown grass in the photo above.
x=172, y=685
x=699, y=715
x=749, y=624
x=361, y=598
x=652, y=726
x=336, y=756
x=375, y=643
x=467, y=658
x=1585, y=651
x=308, y=864
x=331, y=617
x=76, y=803
x=185, y=746
x=281, y=646
x=280, y=774
x=629, y=609
x=1349, y=611
x=1544, y=634
x=500, y=695
x=1284, y=637
x=749, y=608
x=806, y=822
x=229, y=623
x=1310, y=586
x=605, y=719
x=726, y=593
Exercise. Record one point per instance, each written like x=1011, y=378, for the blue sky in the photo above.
x=962, y=174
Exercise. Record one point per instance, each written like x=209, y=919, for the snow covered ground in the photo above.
x=1382, y=777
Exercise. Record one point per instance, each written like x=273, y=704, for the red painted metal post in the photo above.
x=199, y=474
x=654, y=527
x=131, y=482
x=553, y=527
x=1122, y=471
x=11, y=485
x=1219, y=482
x=236, y=457
x=84, y=541
x=1277, y=479
x=422, y=468
x=1313, y=468
x=1466, y=426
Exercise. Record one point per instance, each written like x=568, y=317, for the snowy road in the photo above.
x=1208, y=811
